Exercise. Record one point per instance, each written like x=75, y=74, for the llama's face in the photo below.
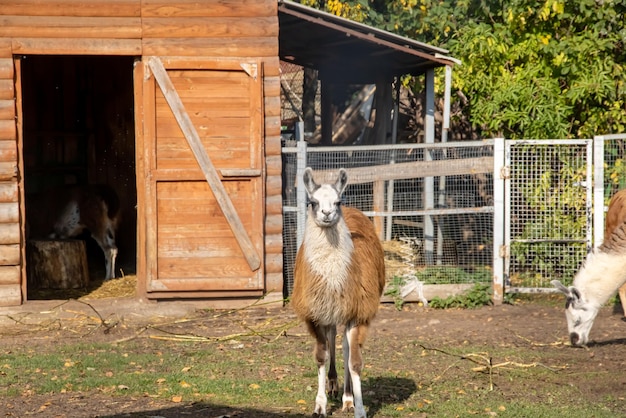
x=580, y=317
x=325, y=205
x=579, y=313
x=325, y=199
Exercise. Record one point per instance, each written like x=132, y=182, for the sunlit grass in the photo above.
x=401, y=379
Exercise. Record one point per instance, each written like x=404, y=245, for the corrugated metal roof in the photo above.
x=350, y=51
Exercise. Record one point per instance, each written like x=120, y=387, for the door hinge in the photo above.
x=505, y=172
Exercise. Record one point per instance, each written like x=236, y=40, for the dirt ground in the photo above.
x=526, y=327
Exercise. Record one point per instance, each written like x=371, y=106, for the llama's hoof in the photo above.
x=320, y=409
x=348, y=406
x=333, y=388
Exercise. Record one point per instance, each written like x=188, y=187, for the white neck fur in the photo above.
x=600, y=276
x=329, y=251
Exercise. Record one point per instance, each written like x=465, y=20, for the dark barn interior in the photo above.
x=78, y=129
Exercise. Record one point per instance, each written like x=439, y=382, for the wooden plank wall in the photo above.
x=10, y=285
x=242, y=29
x=58, y=27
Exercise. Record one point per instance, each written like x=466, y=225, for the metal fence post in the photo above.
x=598, y=190
x=300, y=191
x=499, y=248
x=429, y=182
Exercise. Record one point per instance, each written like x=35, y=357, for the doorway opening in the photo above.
x=79, y=129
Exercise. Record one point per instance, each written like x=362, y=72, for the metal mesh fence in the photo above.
x=291, y=92
x=614, y=166
x=549, y=211
x=437, y=229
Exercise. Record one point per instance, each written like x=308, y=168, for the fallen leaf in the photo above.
x=177, y=398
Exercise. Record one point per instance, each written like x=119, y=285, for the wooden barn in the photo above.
x=176, y=105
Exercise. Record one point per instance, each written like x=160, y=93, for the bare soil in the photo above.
x=513, y=335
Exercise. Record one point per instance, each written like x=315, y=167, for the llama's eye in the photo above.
x=577, y=322
x=314, y=204
x=338, y=203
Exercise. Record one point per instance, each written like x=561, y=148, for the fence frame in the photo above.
x=383, y=209
x=499, y=163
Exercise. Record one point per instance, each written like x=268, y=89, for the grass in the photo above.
x=400, y=379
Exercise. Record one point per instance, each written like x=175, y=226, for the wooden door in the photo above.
x=202, y=159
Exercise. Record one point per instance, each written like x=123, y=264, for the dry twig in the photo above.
x=485, y=362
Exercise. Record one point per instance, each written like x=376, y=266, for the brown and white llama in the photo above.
x=338, y=280
x=602, y=273
x=68, y=212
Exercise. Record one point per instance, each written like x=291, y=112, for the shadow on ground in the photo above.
x=198, y=410
x=378, y=392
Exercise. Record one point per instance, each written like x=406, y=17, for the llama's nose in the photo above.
x=574, y=338
x=327, y=212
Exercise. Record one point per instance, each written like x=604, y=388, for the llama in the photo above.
x=338, y=280
x=615, y=216
x=67, y=212
x=602, y=273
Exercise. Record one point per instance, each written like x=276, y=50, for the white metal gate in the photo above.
x=548, y=204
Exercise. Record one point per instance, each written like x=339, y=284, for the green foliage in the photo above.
x=446, y=274
x=550, y=69
x=553, y=202
x=394, y=290
x=437, y=275
x=477, y=296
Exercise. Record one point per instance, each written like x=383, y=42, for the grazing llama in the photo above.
x=339, y=278
x=67, y=212
x=602, y=273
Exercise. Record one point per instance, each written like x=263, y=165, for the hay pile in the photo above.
x=400, y=258
x=96, y=289
x=116, y=288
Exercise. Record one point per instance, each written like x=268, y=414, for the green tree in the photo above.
x=531, y=69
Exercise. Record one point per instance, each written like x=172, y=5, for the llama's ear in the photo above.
x=571, y=293
x=559, y=286
x=342, y=181
x=309, y=182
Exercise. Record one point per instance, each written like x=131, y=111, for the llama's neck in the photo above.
x=329, y=251
x=601, y=275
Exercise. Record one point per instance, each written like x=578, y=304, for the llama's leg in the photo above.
x=321, y=354
x=622, y=298
x=348, y=397
x=109, y=258
x=333, y=384
x=105, y=237
x=353, y=363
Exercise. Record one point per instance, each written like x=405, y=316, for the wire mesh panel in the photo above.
x=614, y=165
x=435, y=220
x=548, y=211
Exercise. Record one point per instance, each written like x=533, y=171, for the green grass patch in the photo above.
x=401, y=378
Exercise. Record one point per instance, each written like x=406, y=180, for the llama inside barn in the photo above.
x=601, y=275
x=68, y=212
x=339, y=278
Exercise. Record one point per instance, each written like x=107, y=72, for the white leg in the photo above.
x=354, y=364
x=321, y=354
x=110, y=255
x=347, y=398
x=320, y=399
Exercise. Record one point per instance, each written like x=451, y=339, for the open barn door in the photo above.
x=202, y=180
